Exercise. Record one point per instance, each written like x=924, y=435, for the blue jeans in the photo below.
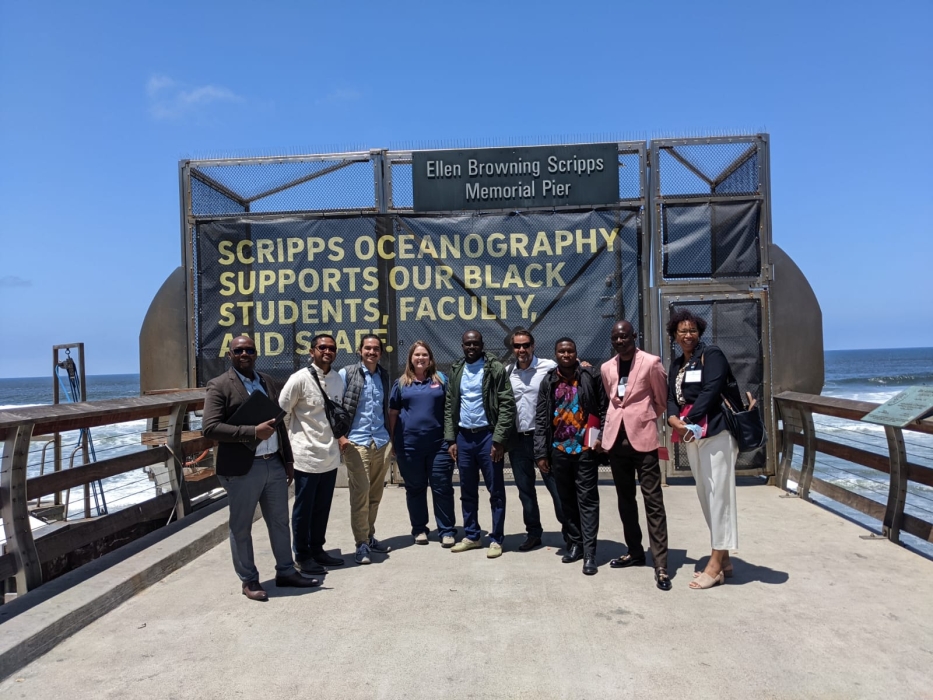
x=522, y=459
x=313, y=495
x=422, y=464
x=472, y=458
x=264, y=484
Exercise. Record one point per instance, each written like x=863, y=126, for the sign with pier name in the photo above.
x=516, y=178
x=910, y=405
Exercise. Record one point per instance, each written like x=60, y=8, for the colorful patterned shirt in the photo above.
x=569, y=424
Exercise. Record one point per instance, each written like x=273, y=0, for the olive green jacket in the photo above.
x=498, y=400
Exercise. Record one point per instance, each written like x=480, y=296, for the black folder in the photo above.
x=258, y=408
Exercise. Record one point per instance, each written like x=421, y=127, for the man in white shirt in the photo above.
x=316, y=451
x=525, y=377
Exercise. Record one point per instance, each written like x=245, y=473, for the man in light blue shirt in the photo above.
x=366, y=449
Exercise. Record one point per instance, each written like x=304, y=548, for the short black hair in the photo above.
x=678, y=316
x=370, y=336
x=319, y=336
x=522, y=331
x=565, y=339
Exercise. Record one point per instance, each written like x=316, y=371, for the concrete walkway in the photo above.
x=813, y=611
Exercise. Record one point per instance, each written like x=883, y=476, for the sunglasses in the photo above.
x=521, y=346
x=327, y=348
x=240, y=351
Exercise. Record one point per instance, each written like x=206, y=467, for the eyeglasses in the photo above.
x=240, y=351
x=472, y=343
x=326, y=348
x=687, y=331
x=521, y=346
x=622, y=336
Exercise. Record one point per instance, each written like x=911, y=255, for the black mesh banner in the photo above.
x=408, y=278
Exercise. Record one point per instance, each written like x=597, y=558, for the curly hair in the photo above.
x=678, y=316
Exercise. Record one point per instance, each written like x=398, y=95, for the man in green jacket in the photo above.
x=479, y=415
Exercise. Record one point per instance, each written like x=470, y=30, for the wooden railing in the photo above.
x=796, y=411
x=25, y=555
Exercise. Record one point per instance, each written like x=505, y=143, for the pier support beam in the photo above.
x=13, y=510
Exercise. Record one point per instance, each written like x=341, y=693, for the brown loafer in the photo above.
x=253, y=591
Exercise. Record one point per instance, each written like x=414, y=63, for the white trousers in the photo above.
x=712, y=461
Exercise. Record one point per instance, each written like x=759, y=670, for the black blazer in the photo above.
x=237, y=443
x=705, y=395
x=592, y=399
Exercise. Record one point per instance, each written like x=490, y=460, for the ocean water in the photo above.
x=865, y=375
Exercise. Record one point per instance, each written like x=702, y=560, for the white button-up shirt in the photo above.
x=525, y=385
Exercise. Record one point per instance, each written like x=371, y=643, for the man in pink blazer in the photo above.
x=636, y=384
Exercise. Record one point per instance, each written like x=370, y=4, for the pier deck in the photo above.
x=813, y=611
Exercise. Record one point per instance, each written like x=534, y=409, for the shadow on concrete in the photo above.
x=274, y=591
x=746, y=572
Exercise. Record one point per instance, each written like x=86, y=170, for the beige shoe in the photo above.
x=465, y=544
x=447, y=541
x=495, y=550
x=421, y=538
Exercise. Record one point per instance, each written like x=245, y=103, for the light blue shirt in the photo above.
x=369, y=421
x=472, y=413
x=272, y=444
x=525, y=385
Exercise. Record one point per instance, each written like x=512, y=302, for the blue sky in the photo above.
x=99, y=101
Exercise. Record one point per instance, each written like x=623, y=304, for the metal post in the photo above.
x=809, y=453
x=175, y=464
x=897, y=491
x=14, y=511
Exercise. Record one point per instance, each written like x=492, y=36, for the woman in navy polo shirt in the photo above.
x=416, y=426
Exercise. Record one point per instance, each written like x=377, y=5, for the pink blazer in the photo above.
x=645, y=400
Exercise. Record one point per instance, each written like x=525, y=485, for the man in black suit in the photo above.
x=254, y=465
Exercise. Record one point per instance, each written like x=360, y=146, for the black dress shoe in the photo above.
x=254, y=591
x=661, y=578
x=575, y=553
x=309, y=566
x=529, y=544
x=589, y=566
x=325, y=559
x=627, y=560
x=296, y=580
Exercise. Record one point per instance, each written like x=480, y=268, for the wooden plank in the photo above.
x=157, y=437
x=71, y=416
x=193, y=448
x=68, y=539
x=915, y=472
x=844, y=496
x=844, y=408
x=201, y=486
x=7, y=566
x=46, y=484
x=917, y=527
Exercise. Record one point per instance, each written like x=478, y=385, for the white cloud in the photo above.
x=169, y=99
x=14, y=281
x=340, y=96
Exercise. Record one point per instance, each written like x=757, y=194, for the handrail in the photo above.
x=796, y=411
x=25, y=555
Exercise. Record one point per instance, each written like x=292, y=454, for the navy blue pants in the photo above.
x=473, y=458
x=425, y=463
x=522, y=459
x=313, y=495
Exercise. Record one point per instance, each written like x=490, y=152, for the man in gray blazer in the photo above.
x=254, y=465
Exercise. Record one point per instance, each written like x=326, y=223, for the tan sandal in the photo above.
x=728, y=573
x=704, y=581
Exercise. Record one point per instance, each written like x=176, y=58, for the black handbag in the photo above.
x=746, y=425
x=338, y=417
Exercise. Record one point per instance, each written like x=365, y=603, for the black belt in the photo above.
x=528, y=433
x=484, y=429
x=267, y=456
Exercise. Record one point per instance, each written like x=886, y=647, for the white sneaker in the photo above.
x=421, y=538
x=494, y=550
x=447, y=541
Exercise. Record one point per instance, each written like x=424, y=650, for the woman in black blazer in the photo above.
x=696, y=381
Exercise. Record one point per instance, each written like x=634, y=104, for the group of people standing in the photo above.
x=560, y=418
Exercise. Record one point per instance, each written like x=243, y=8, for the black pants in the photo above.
x=627, y=463
x=576, y=477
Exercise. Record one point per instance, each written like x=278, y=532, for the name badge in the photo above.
x=693, y=375
x=621, y=389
